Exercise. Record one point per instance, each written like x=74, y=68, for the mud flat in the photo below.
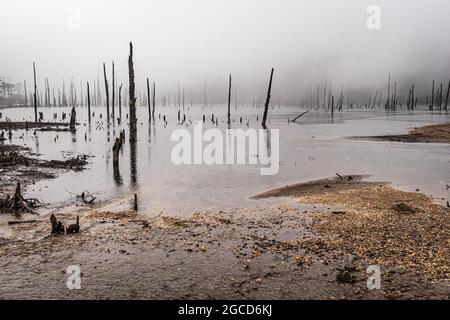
x=19, y=164
x=278, y=251
x=438, y=133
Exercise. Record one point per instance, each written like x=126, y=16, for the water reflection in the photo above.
x=117, y=176
x=133, y=164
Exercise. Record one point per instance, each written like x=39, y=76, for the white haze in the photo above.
x=202, y=41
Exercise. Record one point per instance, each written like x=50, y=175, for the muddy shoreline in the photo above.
x=276, y=252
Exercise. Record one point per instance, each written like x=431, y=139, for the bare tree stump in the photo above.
x=74, y=228
x=57, y=226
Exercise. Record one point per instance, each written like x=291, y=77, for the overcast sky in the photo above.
x=198, y=41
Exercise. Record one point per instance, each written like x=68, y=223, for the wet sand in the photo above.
x=439, y=133
x=374, y=220
x=272, y=252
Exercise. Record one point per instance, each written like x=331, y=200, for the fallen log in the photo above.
x=300, y=115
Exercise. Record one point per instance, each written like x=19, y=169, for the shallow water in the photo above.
x=314, y=147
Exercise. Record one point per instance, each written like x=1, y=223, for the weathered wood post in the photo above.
x=89, y=103
x=266, y=105
x=229, y=101
x=107, y=92
x=35, y=95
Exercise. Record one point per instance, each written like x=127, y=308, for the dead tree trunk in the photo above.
x=25, y=88
x=386, y=106
x=446, y=99
x=107, y=93
x=432, y=97
x=35, y=95
x=409, y=98
x=89, y=103
x=332, y=106
x=120, y=103
x=153, y=101
x=148, y=101
x=113, y=93
x=266, y=105
x=229, y=101
x=73, y=115
x=116, y=148
x=133, y=120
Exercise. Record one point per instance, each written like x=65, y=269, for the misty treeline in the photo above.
x=107, y=90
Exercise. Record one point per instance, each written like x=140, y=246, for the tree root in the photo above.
x=18, y=204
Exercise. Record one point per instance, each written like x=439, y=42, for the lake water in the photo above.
x=315, y=147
